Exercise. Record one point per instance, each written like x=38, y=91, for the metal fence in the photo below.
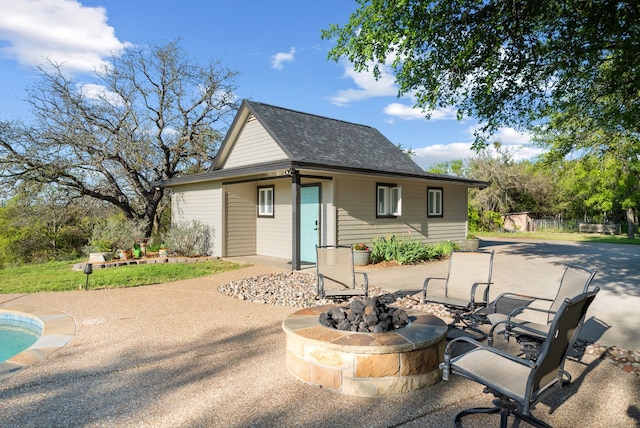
x=560, y=225
x=556, y=225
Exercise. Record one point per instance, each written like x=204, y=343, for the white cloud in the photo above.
x=366, y=86
x=62, y=31
x=513, y=141
x=100, y=92
x=280, y=58
x=405, y=112
x=438, y=153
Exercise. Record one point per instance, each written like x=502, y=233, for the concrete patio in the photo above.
x=182, y=354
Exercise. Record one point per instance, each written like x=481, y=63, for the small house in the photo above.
x=285, y=181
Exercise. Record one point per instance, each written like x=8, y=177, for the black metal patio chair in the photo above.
x=524, y=321
x=518, y=383
x=466, y=288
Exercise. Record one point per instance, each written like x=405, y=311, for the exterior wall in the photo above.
x=203, y=202
x=453, y=224
x=355, y=200
x=274, y=234
x=518, y=222
x=253, y=145
x=240, y=220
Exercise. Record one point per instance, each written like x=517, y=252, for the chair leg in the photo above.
x=461, y=321
x=505, y=407
x=488, y=410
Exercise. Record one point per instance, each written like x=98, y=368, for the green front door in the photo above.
x=309, y=222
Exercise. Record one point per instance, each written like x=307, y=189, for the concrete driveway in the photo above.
x=535, y=268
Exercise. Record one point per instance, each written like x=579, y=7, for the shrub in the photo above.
x=407, y=250
x=189, y=238
x=114, y=233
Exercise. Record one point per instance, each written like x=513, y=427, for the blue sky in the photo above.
x=274, y=45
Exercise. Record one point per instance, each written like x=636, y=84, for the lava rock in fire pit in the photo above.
x=365, y=315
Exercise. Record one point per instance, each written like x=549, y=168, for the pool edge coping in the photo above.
x=58, y=329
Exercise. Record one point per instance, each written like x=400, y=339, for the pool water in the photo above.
x=15, y=337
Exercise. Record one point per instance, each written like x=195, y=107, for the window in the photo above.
x=434, y=202
x=388, y=200
x=265, y=201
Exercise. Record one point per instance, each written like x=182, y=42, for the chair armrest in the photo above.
x=508, y=323
x=366, y=282
x=517, y=311
x=446, y=365
x=494, y=304
x=485, y=294
x=425, y=284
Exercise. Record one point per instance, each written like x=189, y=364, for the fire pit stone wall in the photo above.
x=364, y=364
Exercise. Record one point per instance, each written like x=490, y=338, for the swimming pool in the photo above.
x=53, y=329
x=18, y=331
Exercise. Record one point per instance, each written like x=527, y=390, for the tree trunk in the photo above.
x=631, y=225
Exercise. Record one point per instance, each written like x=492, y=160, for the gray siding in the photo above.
x=355, y=201
x=453, y=225
x=254, y=145
x=274, y=233
x=240, y=220
x=203, y=202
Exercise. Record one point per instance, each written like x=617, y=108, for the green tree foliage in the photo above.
x=42, y=228
x=151, y=115
x=454, y=167
x=503, y=62
x=601, y=164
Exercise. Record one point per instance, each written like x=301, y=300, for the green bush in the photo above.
x=491, y=221
x=189, y=238
x=115, y=233
x=406, y=250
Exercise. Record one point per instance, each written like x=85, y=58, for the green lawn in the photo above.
x=561, y=236
x=58, y=276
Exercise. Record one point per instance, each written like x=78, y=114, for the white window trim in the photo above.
x=266, y=197
x=438, y=194
x=391, y=205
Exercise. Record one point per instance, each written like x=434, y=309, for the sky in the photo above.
x=275, y=46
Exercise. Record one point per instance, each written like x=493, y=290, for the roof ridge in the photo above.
x=310, y=114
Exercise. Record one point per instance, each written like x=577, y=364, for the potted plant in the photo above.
x=137, y=250
x=361, y=254
x=472, y=243
x=163, y=251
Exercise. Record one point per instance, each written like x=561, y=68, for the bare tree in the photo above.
x=149, y=115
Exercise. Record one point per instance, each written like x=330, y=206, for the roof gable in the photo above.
x=253, y=142
x=318, y=140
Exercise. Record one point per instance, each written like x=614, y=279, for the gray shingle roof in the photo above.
x=312, y=141
x=319, y=140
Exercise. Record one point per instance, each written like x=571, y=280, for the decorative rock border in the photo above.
x=365, y=364
x=57, y=329
x=144, y=260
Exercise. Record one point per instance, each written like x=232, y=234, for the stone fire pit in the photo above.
x=364, y=364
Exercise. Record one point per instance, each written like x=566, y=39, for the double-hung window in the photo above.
x=265, y=201
x=388, y=200
x=434, y=202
